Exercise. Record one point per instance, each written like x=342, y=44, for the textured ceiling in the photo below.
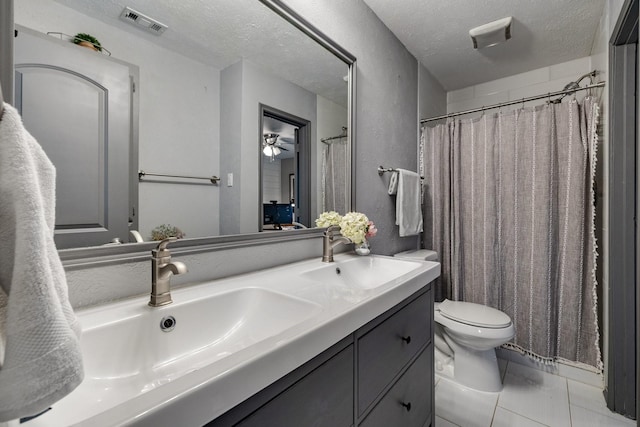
x=544, y=32
x=220, y=33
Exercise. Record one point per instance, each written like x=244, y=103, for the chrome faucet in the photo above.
x=161, y=270
x=329, y=241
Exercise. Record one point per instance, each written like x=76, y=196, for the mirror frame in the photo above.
x=117, y=254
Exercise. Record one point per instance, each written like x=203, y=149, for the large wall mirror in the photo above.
x=241, y=90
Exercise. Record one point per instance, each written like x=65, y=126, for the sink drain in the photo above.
x=168, y=323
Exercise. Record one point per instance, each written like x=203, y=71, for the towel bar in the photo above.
x=141, y=174
x=382, y=170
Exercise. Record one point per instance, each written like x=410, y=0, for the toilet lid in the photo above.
x=474, y=314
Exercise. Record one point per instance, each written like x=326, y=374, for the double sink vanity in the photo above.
x=342, y=343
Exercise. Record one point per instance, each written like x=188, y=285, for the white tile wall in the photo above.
x=572, y=69
x=530, y=77
x=534, y=82
x=461, y=94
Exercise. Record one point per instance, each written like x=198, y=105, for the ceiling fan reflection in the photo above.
x=271, y=146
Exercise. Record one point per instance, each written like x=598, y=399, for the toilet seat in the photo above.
x=474, y=314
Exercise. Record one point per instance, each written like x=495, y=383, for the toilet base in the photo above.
x=477, y=369
x=443, y=364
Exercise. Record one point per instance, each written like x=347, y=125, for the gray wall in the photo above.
x=230, y=147
x=387, y=110
x=432, y=100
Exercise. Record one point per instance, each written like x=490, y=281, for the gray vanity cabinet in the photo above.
x=385, y=348
x=380, y=375
x=408, y=402
x=324, y=397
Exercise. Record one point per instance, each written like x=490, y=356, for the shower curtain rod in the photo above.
x=331, y=138
x=519, y=101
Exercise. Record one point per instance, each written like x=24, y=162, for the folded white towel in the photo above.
x=40, y=357
x=393, y=184
x=408, y=211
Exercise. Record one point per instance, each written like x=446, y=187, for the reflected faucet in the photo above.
x=161, y=271
x=329, y=241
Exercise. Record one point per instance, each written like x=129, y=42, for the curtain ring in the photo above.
x=523, y=103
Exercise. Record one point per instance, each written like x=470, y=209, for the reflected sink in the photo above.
x=126, y=353
x=366, y=272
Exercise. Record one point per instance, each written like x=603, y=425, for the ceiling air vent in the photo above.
x=142, y=21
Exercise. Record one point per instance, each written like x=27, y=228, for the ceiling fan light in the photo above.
x=271, y=151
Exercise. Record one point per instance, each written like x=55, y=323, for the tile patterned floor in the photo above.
x=530, y=398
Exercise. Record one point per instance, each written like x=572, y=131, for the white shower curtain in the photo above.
x=334, y=176
x=510, y=207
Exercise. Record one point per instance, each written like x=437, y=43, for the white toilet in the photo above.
x=465, y=337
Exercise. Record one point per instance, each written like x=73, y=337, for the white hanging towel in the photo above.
x=408, y=211
x=40, y=356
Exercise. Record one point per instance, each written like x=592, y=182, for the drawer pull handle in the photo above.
x=407, y=406
x=407, y=339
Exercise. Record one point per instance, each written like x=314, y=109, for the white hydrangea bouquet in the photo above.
x=355, y=226
x=327, y=219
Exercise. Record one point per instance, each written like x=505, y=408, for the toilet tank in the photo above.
x=418, y=255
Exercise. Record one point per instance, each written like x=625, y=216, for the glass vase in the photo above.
x=363, y=248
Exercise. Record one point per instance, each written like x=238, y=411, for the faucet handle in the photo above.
x=164, y=242
x=331, y=229
x=161, y=250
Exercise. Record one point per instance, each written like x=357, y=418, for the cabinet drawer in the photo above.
x=322, y=398
x=408, y=402
x=387, y=348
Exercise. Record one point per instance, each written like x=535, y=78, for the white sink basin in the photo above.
x=126, y=353
x=366, y=272
x=205, y=329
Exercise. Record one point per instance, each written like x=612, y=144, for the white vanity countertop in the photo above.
x=210, y=387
